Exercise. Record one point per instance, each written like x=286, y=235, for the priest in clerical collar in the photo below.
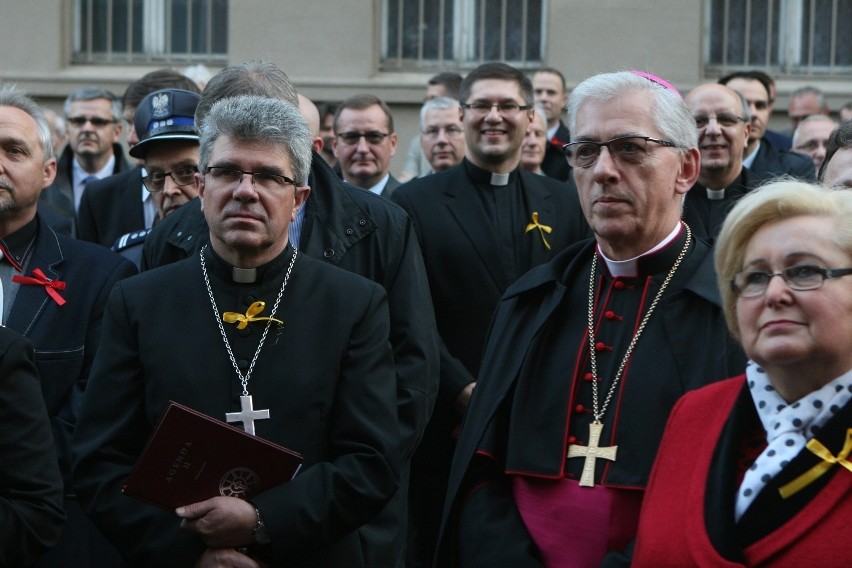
x=588, y=353
x=249, y=331
x=723, y=119
x=481, y=225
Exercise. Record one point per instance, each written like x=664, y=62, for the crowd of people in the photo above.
x=555, y=339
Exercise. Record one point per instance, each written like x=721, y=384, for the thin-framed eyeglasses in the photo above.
x=725, y=120
x=627, y=149
x=451, y=131
x=156, y=181
x=232, y=177
x=373, y=137
x=802, y=277
x=96, y=121
x=507, y=108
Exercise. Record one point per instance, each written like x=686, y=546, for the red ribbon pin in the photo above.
x=39, y=279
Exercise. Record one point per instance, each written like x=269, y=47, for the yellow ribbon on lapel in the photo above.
x=819, y=469
x=542, y=229
x=242, y=320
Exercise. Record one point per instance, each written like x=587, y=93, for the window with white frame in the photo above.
x=460, y=34
x=785, y=37
x=150, y=31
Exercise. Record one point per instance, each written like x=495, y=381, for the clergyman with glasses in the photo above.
x=723, y=121
x=251, y=331
x=365, y=142
x=481, y=225
x=168, y=148
x=588, y=353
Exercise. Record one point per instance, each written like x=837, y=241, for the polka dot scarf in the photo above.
x=788, y=427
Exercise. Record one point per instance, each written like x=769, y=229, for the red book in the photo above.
x=192, y=457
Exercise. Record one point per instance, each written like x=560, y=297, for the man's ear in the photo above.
x=317, y=144
x=689, y=169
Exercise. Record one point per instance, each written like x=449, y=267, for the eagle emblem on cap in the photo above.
x=160, y=105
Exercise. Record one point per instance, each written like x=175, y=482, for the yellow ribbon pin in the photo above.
x=242, y=320
x=819, y=469
x=541, y=228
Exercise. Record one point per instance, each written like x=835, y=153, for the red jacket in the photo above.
x=677, y=529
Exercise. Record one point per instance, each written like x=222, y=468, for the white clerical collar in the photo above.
x=377, y=189
x=629, y=268
x=499, y=179
x=715, y=194
x=749, y=160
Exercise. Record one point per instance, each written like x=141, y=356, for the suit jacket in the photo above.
x=779, y=141
x=390, y=186
x=771, y=162
x=111, y=207
x=555, y=164
x=326, y=375
x=60, y=193
x=65, y=337
x=366, y=234
x=30, y=484
x=688, y=513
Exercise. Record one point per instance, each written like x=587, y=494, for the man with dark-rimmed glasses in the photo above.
x=481, y=225
x=365, y=142
x=287, y=347
x=588, y=353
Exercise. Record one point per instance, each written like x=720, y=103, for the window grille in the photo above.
x=150, y=31
x=461, y=34
x=783, y=37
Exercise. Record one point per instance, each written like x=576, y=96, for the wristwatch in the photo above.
x=261, y=533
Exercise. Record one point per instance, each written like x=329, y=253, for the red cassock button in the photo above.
x=572, y=439
x=579, y=408
x=609, y=314
x=600, y=346
x=618, y=285
x=588, y=377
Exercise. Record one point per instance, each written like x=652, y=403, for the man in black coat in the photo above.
x=325, y=372
x=360, y=232
x=31, y=514
x=54, y=292
x=480, y=225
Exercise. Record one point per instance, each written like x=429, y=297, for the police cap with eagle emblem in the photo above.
x=168, y=114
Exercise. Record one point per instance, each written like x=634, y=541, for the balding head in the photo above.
x=311, y=115
x=722, y=118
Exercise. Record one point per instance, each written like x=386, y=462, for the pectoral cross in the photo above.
x=247, y=415
x=591, y=453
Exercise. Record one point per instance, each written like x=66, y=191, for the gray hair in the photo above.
x=249, y=117
x=669, y=113
x=746, y=108
x=808, y=119
x=438, y=103
x=260, y=78
x=11, y=96
x=91, y=94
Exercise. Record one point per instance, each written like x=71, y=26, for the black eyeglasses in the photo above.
x=156, y=181
x=725, y=119
x=751, y=284
x=506, y=109
x=627, y=149
x=372, y=137
x=96, y=121
x=220, y=176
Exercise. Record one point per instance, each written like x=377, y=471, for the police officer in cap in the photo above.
x=169, y=148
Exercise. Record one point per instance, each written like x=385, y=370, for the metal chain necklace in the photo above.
x=247, y=415
x=593, y=450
